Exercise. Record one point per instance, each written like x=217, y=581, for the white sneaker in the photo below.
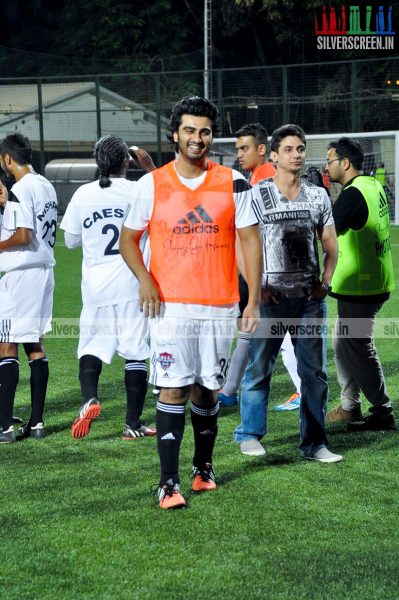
x=252, y=448
x=325, y=456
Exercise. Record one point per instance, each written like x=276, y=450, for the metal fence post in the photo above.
x=42, y=159
x=354, y=111
x=286, y=109
x=98, y=107
x=219, y=83
x=158, y=113
x=396, y=179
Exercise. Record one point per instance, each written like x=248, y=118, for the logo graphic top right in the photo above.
x=354, y=28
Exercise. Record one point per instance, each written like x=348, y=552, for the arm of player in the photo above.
x=130, y=250
x=240, y=257
x=140, y=158
x=21, y=237
x=251, y=246
x=72, y=240
x=329, y=244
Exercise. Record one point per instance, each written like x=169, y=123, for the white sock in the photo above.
x=238, y=362
x=290, y=362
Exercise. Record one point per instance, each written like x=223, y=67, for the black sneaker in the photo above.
x=17, y=420
x=37, y=431
x=374, y=422
x=7, y=436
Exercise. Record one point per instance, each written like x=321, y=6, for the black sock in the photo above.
x=170, y=429
x=9, y=376
x=204, y=422
x=38, y=387
x=89, y=374
x=136, y=389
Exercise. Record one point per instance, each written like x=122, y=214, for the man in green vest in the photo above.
x=362, y=282
x=380, y=175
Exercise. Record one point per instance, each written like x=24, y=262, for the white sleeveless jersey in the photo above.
x=97, y=215
x=32, y=204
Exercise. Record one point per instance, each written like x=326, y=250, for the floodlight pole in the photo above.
x=207, y=47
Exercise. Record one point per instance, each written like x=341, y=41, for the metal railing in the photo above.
x=63, y=116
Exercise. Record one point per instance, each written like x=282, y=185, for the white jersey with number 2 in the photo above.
x=97, y=215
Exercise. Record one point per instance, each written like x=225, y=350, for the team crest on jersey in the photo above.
x=165, y=360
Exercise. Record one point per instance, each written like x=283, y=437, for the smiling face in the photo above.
x=249, y=154
x=194, y=138
x=290, y=155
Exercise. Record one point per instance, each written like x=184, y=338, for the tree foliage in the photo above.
x=45, y=37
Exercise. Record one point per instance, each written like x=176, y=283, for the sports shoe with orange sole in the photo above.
x=88, y=412
x=204, y=479
x=169, y=496
x=292, y=403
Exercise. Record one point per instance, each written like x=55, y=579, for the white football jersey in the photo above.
x=32, y=204
x=97, y=215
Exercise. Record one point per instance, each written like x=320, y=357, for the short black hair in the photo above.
x=351, y=149
x=18, y=147
x=256, y=130
x=285, y=131
x=110, y=153
x=193, y=105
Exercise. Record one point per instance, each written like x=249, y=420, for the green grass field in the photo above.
x=79, y=519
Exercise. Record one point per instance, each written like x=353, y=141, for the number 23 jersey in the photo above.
x=32, y=204
x=97, y=215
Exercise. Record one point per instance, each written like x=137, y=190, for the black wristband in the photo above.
x=326, y=286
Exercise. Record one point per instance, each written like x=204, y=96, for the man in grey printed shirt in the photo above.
x=293, y=213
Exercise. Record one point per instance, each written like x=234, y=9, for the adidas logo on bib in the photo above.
x=196, y=221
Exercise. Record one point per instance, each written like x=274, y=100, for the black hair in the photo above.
x=285, y=131
x=351, y=149
x=193, y=105
x=18, y=147
x=256, y=130
x=110, y=153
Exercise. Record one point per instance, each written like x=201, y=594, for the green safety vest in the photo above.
x=364, y=266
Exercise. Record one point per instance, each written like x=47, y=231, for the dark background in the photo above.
x=65, y=37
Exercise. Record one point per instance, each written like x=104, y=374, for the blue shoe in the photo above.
x=228, y=400
x=292, y=403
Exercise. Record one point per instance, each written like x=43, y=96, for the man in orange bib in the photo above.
x=251, y=146
x=192, y=209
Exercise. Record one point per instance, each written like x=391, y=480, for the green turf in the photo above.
x=78, y=518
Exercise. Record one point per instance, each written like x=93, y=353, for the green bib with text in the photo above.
x=364, y=265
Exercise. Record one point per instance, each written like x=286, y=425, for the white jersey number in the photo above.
x=110, y=249
x=49, y=232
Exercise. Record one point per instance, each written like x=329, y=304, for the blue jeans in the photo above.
x=311, y=353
